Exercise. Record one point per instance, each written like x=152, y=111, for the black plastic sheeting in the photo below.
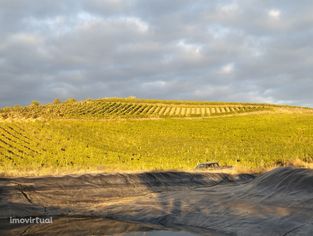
x=279, y=202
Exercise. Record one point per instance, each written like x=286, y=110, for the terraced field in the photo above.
x=105, y=108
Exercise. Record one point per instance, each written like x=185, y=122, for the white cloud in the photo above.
x=228, y=8
x=60, y=25
x=154, y=84
x=191, y=48
x=25, y=38
x=125, y=47
x=227, y=69
x=57, y=25
x=141, y=25
x=218, y=31
x=274, y=13
x=211, y=91
x=87, y=17
x=87, y=21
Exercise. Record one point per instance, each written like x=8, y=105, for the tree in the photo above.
x=56, y=101
x=70, y=100
x=35, y=103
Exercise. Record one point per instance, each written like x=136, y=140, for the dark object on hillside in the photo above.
x=212, y=165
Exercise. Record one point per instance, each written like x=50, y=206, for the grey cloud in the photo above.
x=256, y=51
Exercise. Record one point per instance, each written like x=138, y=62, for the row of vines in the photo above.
x=101, y=109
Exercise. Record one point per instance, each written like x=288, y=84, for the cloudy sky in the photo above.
x=245, y=50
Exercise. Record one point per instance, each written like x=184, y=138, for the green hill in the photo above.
x=110, y=135
x=130, y=108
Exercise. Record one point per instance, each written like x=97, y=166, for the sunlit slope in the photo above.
x=129, y=108
x=256, y=141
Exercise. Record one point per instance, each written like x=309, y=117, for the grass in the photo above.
x=255, y=141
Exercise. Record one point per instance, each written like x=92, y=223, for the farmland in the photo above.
x=256, y=140
x=129, y=108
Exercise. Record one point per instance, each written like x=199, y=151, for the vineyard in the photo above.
x=105, y=108
x=90, y=136
x=255, y=141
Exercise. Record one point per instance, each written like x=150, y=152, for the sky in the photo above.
x=245, y=50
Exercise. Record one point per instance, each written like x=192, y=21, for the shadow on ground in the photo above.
x=279, y=202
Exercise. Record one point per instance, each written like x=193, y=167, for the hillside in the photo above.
x=130, y=108
x=89, y=136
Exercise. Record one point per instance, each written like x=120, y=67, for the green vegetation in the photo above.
x=54, y=146
x=110, y=135
x=56, y=101
x=71, y=100
x=35, y=103
x=129, y=108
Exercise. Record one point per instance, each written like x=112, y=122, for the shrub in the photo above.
x=56, y=101
x=70, y=100
x=35, y=103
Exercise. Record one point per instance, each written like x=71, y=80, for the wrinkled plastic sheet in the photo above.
x=279, y=202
